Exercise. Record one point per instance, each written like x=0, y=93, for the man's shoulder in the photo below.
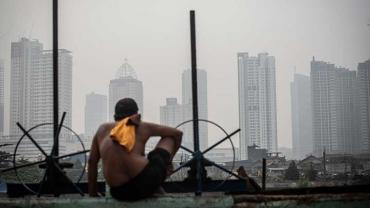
x=104, y=127
x=150, y=128
x=107, y=125
x=146, y=125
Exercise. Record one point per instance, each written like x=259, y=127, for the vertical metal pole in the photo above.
x=263, y=174
x=324, y=162
x=55, y=77
x=195, y=102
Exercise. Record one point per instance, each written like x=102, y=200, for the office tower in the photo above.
x=300, y=90
x=42, y=88
x=334, y=105
x=25, y=56
x=257, y=102
x=363, y=76
x=1, y=97
x=172, y=114
x=125, y=85
x=31, y=94
x=95, y=113
x=202, y=105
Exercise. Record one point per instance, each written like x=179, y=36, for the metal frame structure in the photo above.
x=43, y=162
x=198, y=162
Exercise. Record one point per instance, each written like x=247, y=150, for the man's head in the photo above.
x=124, y=108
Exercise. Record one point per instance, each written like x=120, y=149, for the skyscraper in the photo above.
x=1, y=97
x=257, y=102
x=25, y=58
x=364, y=103
x=124, y=85
x=300, y=90
x=334, y=106
x=31, y=98
x=95, y=113
x=42, y=88
x=202, y=105
x=173, y=114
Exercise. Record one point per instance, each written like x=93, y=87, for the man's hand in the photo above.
x=135, y=119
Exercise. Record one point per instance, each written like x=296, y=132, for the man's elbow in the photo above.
x=178, y=133
x=179, y=136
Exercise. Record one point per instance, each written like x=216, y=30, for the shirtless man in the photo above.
x=130, y=175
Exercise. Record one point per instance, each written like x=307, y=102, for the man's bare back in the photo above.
x=119, y=165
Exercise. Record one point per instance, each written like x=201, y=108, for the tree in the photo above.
x=292, y=172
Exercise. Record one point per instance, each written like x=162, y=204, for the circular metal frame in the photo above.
x=223, y=130
x=25, y=135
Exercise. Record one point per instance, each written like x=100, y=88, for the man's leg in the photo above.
x=168, y=144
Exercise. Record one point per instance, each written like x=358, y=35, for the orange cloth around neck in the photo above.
x=124, y=134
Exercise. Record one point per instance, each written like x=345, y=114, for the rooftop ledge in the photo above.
x=189, y=200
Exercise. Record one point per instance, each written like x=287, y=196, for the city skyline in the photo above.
x=43, y=62
x=158, y=46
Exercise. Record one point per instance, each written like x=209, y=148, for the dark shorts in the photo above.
x=148, y=181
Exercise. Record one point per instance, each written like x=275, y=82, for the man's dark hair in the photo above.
x=124, y=108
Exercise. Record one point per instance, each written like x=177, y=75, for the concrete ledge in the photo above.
x=357, y=200
x=85, y=202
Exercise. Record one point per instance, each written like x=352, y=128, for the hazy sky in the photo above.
x=154, y=37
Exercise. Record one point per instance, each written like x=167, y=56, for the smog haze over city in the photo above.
x=154, y=37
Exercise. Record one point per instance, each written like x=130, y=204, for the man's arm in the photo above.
x=170, y=141
x=93, y=166
x=164, y=131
